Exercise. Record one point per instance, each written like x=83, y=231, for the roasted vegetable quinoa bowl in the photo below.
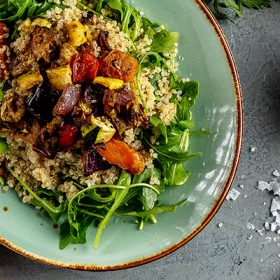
x=95, y=122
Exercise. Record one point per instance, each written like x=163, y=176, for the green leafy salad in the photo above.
x=95, y=122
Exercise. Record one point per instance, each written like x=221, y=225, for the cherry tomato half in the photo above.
x=84, y=67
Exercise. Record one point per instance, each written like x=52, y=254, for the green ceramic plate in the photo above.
x=218, y=108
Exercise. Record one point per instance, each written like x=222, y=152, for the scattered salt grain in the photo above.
x=250, y=237
x=277, y=219
x=262, y=186
x=253, y=149
x=276, y=173
x=245, y=196
x=250, y=226
x=273, y=226
x=275, y=204
x=220, y=225
x=278, y=232
x=274, y=213
x=266, y=225
x=275, y=187
x=278, y=255
x=233, y=195
x=268, y=239
x=241, y=186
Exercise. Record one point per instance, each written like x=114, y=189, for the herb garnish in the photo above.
x=222, y=7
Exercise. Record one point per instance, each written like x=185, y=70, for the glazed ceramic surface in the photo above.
x=218, y=108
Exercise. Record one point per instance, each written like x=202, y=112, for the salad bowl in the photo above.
x=204, y=55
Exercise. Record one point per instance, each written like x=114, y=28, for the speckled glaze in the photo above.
x=219, y=109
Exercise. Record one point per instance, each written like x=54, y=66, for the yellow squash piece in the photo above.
x=110, y=83
x=60, y=77
x=25, y=23
x=85, y=107
x=106, y=129
x=77, y=33
x=28, y=81
x=41, y=22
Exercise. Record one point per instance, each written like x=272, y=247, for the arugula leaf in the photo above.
x=175, y=172
x=14, y=10
x=124, y=180
x=155, y=210
x=189, y=89
x=164, y=41
x=130, y=19
x=149, y=196
x=149, y=27
x=67, y=238
x=53, y=211
x=156, y=122
x=174, y=151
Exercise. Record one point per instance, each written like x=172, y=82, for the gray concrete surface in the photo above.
x=224, y=253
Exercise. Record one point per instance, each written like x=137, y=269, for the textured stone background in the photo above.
x=224, y=253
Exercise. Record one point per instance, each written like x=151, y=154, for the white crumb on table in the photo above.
x=266, y=225
x=252, y=149
x=250, y=226
x=276, y=173
x=233, y=194
x=262, y=185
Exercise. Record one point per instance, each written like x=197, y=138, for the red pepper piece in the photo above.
x=67, y=135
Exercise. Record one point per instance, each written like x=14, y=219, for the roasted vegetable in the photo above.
x=105, y=130
x=77, y=33
x=42, y=102
x=118, y=65
x=92, y=162
x=110, y=83
x=123, y=109
x=4, y=33
x=118, y=153
x=4, y=49
x=42, y=22
x=13, y=108
x=43, y=136
x=28, y=81
x=84, y=66
x=68, y=99
x=67, y=135
x=93, y=96
x=103, y=41
x=44, y=42
x=24, y=24
x=24, y=62
x=60, y=77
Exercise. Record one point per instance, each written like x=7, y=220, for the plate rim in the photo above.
x=226, y=187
